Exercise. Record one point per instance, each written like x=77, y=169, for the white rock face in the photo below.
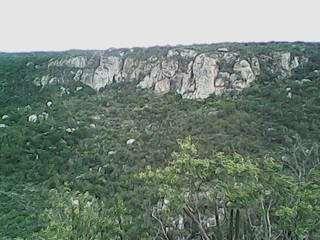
x=150, y=80
x=305, y=80
x=205, y=71
x=187, y=53
x=30, y=64
x=162, y=86
x=77, y=76
x=111, y=152
x=44, y=116
x=255, y=65
x=294, y=63
x=223, y=50
x=180, y=223
x=222, y=80
x=169, y=68
x=172, y=53
x=75, y=202
x=64, y=91
x=130, y=141
x=74, y=62
x=286, y=62
x=107, y=72
x=33, y=118
x=189, y=72
x=160, y=75
x=131, y=68
x=78, y=89
x=4, y=117
x=70, y=130
x=247, y=76
x=49, y=104
x=289, y=95
x=182, y=52
x=44, y=80
x=2, y=125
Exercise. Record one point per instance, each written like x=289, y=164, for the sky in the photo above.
x=55, y=25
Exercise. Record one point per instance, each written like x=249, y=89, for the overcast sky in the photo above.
x=28, y=25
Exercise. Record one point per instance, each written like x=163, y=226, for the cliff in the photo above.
x=193, y=72
x=69, y=154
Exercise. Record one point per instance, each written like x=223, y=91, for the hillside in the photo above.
x=213, y=141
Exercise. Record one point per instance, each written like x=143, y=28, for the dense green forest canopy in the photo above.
x=126, y=163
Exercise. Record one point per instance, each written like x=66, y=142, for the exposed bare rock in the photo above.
x=43, y=116
x=130, y=141
x=160, y=75
x=111, y=152
x=305, y=80
x=4, y=117
x=70, y=130
x=107, y=72
x=223, y=80
x=247, y=76
x=131, y=68
x=182, y=52
x=193, y=73
x=284, y=63
x=33, y=118
x=150, y=80
x=285, y=60
x=169, y=67
x=205, y=70
x=255, y=66
x=229, y=57
x=74, y=62
x=187, y=53
x=173, y=53
x=44, y=80
x=223, y=50
x=78, y=74
x=162, y=86
x=294, y=63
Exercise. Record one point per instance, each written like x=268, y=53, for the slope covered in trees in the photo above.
x=126, y=163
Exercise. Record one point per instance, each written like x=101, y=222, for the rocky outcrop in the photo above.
x=244, y=74
x=107, y=72
x=190, y=72
x=76, y=62
x=201, y=81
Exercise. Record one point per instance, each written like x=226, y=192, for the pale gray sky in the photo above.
x=27, y=25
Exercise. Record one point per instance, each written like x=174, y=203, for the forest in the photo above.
x=126, y=163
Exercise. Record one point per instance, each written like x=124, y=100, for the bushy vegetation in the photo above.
x=240, y=197
x=242, y=166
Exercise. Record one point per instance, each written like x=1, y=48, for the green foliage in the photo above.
x=254, y=167
x=75, y=215
x=195, y=188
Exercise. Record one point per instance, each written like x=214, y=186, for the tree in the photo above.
x=205, y=192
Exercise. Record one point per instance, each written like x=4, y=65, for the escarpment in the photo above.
x=193, y=73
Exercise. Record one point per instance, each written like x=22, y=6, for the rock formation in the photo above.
x=191, y=73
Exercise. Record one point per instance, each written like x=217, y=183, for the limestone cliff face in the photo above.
x=191, y=73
